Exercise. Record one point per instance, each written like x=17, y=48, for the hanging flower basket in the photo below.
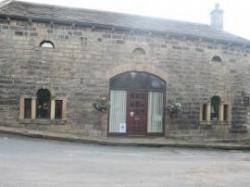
x=174, y=107
x=101, y=104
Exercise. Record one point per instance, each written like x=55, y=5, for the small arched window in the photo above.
x=47, y=44
x=139, y=52
x=216, y=59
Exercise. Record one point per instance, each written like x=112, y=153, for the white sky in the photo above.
x=236, y=12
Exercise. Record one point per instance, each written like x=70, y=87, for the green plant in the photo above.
x=174, y=106
x=101, y=104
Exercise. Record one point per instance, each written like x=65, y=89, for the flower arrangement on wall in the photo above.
x=174, y=106
x=101, y=104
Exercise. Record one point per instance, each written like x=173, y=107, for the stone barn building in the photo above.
x=96, y=73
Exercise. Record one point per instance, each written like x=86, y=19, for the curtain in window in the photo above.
x=155, y=112
x=117, y=117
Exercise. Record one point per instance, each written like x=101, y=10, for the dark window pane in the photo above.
x=58, y=109
x=27, y=108
x=215, y=106
x=204, y=112
x=43, y=103
x=225, y=117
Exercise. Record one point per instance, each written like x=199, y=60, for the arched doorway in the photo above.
x=43, y=104
x=137, y=104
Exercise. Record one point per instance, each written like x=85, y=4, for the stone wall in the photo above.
x=85, y=58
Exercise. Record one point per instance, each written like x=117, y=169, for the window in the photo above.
x=27, y=108
x=204, y=112
x=47, y=44
x=42, y=107
x=215, y=107
x=137, y=80
x=139, y=52
x=43, y=103
x=225, y=112
x=216, y=59
x=215, y=111
x=58, y=109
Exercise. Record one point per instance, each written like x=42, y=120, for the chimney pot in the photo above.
x=217, y=17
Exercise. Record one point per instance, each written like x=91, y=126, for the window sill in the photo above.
x=43, y=121
x=209, y=123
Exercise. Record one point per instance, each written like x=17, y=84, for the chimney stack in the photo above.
x=217, y=17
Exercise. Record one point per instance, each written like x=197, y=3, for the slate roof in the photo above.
x=76, y=15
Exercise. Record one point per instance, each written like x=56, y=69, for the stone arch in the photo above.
x=137, y=67
x=225, y=97
x=39, y=87
x=43, y=92
x=137, y=96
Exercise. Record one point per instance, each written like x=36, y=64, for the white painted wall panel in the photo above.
x=155, y=112
x=117, y=117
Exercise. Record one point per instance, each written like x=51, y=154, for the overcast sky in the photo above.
x=236, y=12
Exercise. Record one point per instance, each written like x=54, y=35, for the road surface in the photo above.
x=28, y=162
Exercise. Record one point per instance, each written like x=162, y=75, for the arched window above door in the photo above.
x=137, y=80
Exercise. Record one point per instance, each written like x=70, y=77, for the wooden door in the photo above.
x=137, y=113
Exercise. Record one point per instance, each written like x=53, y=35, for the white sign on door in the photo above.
x=122, y=128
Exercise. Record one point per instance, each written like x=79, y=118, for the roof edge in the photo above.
x=24, y=17
x=5, y=2
x=127, y=28
x=101, y=11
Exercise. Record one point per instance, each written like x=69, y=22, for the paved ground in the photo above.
x=27, y=162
